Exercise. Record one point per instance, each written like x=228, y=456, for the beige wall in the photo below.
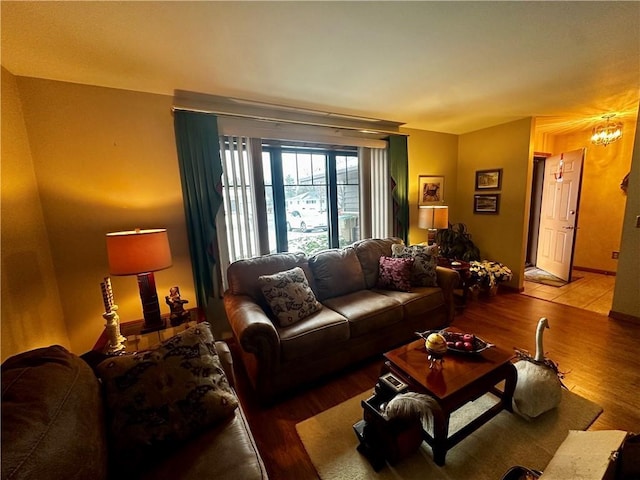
x=105, y=161
x=500, y=237
x=602, y=202
x=31, y=309
x=430, y=153
x=626, y=300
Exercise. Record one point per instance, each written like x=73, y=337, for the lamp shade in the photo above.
x=138, y=251
x=433, y=217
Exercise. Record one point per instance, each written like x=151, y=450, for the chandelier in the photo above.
x=607, y=132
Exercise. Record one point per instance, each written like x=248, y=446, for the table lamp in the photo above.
x=433, y=218
x=141, y=252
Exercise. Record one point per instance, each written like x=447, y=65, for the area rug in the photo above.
x=505, y=441
x=537, y=275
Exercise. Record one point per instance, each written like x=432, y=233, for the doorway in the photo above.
x=553, y=219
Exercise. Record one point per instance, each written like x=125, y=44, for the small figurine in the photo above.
x=176, y=304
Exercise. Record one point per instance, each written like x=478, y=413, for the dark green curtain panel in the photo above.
x=399, y=169
x=201, y=176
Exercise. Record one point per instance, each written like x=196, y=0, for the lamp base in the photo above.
x=150, y=307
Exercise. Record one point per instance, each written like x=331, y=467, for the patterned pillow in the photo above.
x=424, y=265
x=289, y=295
x=395, y=273
x=158, y=398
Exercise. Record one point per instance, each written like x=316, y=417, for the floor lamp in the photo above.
x=433, y=218
x=141, y=252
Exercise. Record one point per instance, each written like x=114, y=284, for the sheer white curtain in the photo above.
x=375, y=204
x=237, y=222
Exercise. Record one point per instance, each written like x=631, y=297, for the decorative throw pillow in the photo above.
x=395, y=273
x=158, y=398
x=424, y=265
x=289, y=295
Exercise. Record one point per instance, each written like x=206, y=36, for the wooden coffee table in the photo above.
x=462, y=378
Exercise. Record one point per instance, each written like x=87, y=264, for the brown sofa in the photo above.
x=53, y=427
x=357, y=319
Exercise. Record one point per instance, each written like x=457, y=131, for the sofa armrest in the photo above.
x=226, y=360
x=448, y=280
x=252, y=328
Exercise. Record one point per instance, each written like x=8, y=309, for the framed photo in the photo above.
x=486, y=203
x=489, y=179
x=430, y=190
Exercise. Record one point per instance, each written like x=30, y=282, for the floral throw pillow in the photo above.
x=158, y=398
x=395, y=273
x=424, y=265
x=289, y=295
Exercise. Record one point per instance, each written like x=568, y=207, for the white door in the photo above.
x=558, y=215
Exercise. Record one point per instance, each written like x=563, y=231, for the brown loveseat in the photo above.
x=53, y=427
x=356, y=321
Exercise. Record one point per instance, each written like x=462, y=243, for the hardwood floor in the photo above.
x=600, y=355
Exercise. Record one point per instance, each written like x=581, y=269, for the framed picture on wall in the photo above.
x=489, y=179
x=430, y=190
x=486, y=203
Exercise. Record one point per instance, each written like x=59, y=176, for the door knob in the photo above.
x=568, y=228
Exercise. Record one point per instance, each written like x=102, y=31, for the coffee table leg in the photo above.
x=440, y=434
x=511, y=377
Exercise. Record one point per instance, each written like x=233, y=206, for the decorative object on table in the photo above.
x=436, y=346
x=176, y=304
x=489, y=179
x=433, y=218
x=539, y=388
x=141, y=252
x=486, y=203
x=430, y=190
x=455, y=243
x=466, y=343
x=115, y=338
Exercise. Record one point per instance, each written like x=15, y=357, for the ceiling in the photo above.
x=449, y=67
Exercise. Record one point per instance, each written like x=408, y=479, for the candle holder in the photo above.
x=112, y=327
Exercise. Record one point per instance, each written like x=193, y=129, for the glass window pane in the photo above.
x=266, y=168
x=319, y=169
x=305, y=174
x=348, y=214
x=352, y=171
x=341, y=169
x=289, y=168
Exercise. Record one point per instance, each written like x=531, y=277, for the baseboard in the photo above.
x=625, y=317
x=595, y=270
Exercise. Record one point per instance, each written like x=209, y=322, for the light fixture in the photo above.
x=141, y=252
x=608, y=132
x=433, y=218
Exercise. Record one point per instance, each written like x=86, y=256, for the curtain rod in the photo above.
x=279, y=120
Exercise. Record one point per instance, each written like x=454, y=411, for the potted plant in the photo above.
x=455, y=243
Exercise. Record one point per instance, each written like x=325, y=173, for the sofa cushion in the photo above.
x=369, y=252
x=243, y=275
x=366, y=310
x=419, y=301
x=289, y=296
x=395, y=273
x=158, y=398
x=336, y=272
x=425, y=262
x=313, y=334
x=52, y=417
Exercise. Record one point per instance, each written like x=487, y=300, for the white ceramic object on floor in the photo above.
x=538, y=388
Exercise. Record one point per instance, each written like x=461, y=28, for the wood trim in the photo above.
x=595, y=270
x=625, y=317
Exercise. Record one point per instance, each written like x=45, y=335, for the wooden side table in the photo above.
x=462, y=268
x=136, y=340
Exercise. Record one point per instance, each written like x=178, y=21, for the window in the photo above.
x=299, y=197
